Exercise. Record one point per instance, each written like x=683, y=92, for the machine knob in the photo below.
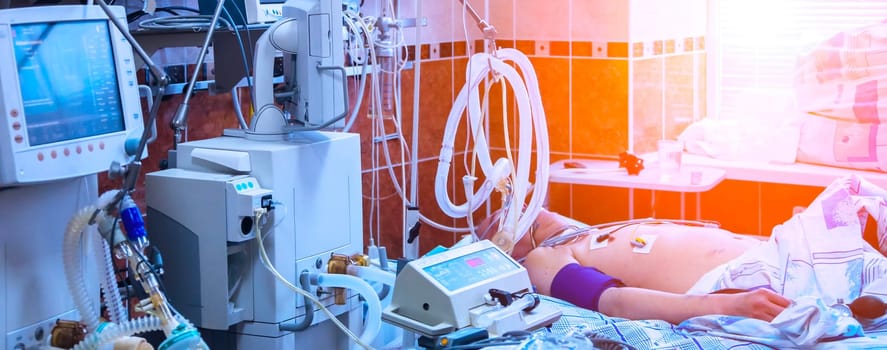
x=116, y=170
x=131, y=146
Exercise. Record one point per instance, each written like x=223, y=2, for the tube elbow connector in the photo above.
x=184, y=337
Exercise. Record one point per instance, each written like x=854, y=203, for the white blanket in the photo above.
x=818, y=257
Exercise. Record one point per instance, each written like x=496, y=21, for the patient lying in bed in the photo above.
x=619, y=282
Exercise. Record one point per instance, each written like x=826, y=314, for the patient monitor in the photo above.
x=68, y=103
x=200, y=217
x=69, y=98
x=463, y=287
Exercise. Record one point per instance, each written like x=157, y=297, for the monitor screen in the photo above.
x=471, y=268
x=68, y=80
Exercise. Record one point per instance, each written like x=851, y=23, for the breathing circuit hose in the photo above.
x=526, y=93
x=89, y=220
x=70, y=253
x=372, y=274
x=109, y=332
x=105, y=267
x=71, y=250
x=374, y=306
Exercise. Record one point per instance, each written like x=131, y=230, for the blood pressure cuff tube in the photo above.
x=581, y=285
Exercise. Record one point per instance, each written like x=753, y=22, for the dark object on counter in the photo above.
x=631, y=163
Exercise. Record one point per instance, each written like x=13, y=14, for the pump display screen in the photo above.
x=471, y=268
x=68, y=80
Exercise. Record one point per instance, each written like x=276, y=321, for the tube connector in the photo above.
x=360, y=260
x=133, y=222
x=65, y=334
x=338, y=264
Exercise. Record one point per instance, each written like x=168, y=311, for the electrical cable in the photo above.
x=270, y=266
x=393, y=177
x=400, y=190
x=582, y=231
x=181, y=22
x=350, y=20
x=399, y=64
x=243, y=54
x=377, y=132
x=234, y=95
x=196, y=23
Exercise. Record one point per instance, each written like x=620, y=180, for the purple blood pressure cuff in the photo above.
x=582, y=285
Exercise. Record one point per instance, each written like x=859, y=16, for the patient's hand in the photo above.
x=762, y=304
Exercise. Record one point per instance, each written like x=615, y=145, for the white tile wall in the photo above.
x=502, y=16
x=439, y=15
x=465, y=27
x=657, y=19
x=543, y=20
x=600, y=20
x=560, y=20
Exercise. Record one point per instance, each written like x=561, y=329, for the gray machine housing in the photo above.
x=213, y=272
x=319, y=89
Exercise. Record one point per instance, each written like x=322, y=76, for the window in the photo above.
x=753, y=45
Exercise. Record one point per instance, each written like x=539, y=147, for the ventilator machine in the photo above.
x=249, y=240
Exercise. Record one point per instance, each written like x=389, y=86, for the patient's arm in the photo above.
x=544, y=263
x=639, y=303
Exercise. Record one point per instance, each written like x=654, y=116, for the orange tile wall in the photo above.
x=603, y=92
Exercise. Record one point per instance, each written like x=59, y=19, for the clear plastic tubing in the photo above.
x=530, y=112
x=374, y=306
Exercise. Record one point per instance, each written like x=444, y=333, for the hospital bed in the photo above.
x=657, y=334
x=724, y=332
x=447, y=288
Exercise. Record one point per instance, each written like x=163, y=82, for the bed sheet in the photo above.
x=658, y=334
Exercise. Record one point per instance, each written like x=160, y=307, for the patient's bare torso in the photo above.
x=679, y=256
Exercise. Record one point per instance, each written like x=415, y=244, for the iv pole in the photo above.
x=484, y=26
x=179, y=121
x=130, y=171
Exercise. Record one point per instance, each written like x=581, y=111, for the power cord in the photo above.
x=259, y=213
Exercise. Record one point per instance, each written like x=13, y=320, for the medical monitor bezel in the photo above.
x=24, y=163
x=457, y=256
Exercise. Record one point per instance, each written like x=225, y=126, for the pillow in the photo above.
x=842, y=76
x=843, y=143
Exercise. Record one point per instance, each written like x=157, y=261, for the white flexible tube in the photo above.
x=542, y=145
x=530, y=111
x=115, y=331
x=374, y=306
x=89, y=314
x=441, y=183
x=372, y=274
x=108, y=280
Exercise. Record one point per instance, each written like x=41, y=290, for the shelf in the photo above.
x=606, y=173
x=792, y=173
x=692, y=178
